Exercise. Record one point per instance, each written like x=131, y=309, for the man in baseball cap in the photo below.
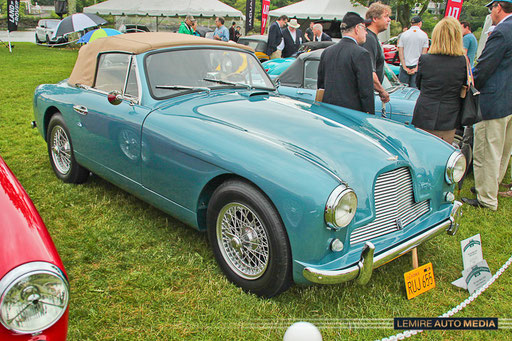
x=345, y=70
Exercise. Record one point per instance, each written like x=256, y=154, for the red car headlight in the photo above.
x=33, y=297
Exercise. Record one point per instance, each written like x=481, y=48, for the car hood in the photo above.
x=23, y=235
x=406, y=93
x=351, y=145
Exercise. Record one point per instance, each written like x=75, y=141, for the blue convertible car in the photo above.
x=286, y=190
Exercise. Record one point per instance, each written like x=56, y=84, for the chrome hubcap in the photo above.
x=243, y=241
x=61, y=150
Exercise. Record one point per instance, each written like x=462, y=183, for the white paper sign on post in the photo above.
x=471, y=251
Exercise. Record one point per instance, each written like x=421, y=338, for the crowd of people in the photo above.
x=221, y=32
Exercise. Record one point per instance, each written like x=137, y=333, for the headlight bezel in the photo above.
x=23, y=273
x=333, y=201
x=453, y=161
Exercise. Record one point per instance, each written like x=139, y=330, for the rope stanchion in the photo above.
x=462, y=305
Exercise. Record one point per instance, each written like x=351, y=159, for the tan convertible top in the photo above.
x=85, y=66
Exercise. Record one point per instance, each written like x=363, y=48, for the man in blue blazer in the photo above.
x=345, y=70
x=493, y=136
x=275, y=38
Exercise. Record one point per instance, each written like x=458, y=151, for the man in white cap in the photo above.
x=493, y=136
x=292, y=38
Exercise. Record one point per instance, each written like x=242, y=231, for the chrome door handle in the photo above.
x=80, y=109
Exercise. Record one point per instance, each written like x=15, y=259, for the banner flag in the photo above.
x=13, y=15
x=265, y=7
x=250, y=6
x=453, y=8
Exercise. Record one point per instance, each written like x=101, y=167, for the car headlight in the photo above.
x=33, y=297
x=455, y=167
x=341, y=207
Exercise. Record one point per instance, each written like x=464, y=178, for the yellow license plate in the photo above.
x=419, y=280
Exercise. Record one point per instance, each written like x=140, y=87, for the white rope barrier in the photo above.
x=462, y=305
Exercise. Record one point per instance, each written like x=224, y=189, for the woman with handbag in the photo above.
x=441, y=79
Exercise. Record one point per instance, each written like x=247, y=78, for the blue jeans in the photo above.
x=406, y=78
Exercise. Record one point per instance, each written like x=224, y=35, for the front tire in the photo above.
x=60, y=151
x=248, y=239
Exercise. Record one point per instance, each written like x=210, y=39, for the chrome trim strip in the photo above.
x=362, y=270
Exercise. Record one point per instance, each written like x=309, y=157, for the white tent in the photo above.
x=165, y=8
x=319, y=9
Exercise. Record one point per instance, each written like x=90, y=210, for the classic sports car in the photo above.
x=298, y=80
x=34, y=289
x=286, y=190
x=257, y=42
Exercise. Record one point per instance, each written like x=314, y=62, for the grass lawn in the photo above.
x=138, y=274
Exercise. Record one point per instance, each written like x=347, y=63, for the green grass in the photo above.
x=138, y=274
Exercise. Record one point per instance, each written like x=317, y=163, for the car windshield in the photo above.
x=258, y=46
x=390, y=81
x=173, y=71
x=52, y=24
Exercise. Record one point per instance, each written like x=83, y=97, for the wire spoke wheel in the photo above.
x=60, y=149
x=243, y=241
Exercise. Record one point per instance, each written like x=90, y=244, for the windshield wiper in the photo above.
x=183, y=87
x=227, y=83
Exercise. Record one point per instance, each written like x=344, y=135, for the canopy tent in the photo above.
x=319, y=9
x=165, y=8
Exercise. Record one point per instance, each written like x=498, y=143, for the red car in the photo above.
x=391, y=54
x=34, y=289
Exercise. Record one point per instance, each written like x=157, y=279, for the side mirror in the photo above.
x=114, y=97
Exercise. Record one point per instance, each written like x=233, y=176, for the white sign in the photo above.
x=471, y=251
x=476, y=276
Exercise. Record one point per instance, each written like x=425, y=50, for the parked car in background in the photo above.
x=258, y=43
x=297, y=78
x=34, y=289
x=276, y=66
x=133, y=28
x=286, y=190
x=45, y=31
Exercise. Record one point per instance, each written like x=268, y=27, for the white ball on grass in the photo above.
x=302, y=331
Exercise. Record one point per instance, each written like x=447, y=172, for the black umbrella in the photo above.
x=78, y=22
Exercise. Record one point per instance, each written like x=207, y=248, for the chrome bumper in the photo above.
x=362, y=271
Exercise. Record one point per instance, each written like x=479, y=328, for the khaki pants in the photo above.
x=491, y=154
x=447, y=135
x=276, y=54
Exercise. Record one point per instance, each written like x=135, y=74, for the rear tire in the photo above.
x=248, y=239
x=60, y=151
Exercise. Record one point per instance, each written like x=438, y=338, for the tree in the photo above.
x=474, y=12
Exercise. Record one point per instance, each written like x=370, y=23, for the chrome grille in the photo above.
x=394, y=206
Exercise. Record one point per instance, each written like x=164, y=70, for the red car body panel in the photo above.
x=23, y=239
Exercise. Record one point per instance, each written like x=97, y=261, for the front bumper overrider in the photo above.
x=362, y=270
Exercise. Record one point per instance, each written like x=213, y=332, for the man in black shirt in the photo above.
x=378, y=13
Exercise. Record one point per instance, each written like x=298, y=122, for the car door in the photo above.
x=109, y=135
